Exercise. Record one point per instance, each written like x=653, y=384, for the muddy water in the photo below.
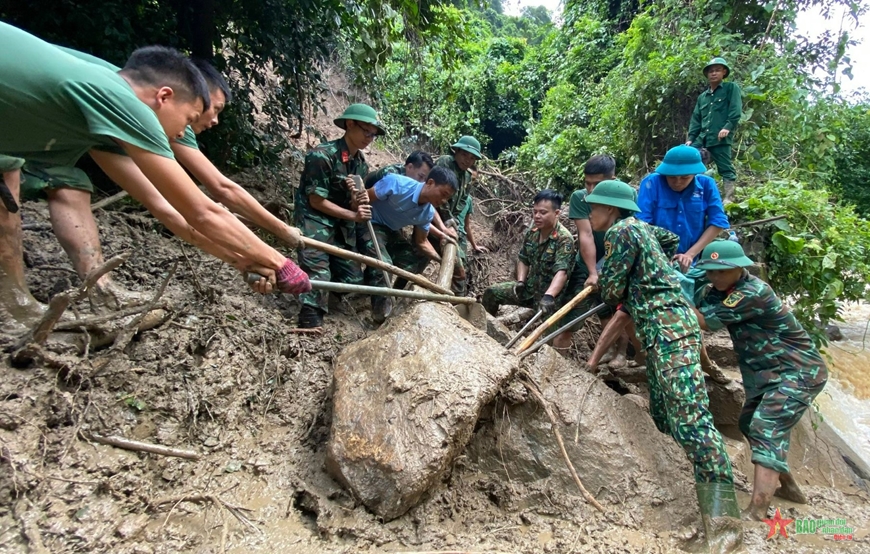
x=845, y=402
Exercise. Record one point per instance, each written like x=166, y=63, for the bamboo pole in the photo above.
x=384, y=291
x=448, y=260
x=372, y=262
x=361, y=188
x=561, y=330
x=333, y=250
x=536, y=334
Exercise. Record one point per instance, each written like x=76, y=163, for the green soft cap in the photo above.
x=614, y=193
x=718, y=61
x=469, y=144
x=360, y=112
x=723, y=254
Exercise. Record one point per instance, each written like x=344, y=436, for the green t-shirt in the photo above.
x=579, y=209
x=189, y=139
x=61, y=106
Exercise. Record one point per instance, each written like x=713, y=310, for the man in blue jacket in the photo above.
x=679, y=198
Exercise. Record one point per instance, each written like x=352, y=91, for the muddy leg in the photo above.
x=609, y=334
x=765, y=483
x=563, y=342
x=15, y=298
x=74, y=226
x=789, y=489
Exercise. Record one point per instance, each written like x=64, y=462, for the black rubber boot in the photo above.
x=382, y=307
x=310, y=317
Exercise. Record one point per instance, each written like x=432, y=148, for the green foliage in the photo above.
x=490, y=89
x=818, y=256
x=270, y=50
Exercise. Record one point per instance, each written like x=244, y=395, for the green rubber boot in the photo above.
x=721, y=517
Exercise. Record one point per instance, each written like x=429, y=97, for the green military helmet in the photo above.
x=360, y=112
x=614, y=193
x=469, y=144
x=718, y=61
x=680, y=161
x=723, y=254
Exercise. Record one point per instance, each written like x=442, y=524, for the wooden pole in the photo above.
x=553, y=318
x=372, y=262
x=448, y=260
x=360, y=187
x=385, y=291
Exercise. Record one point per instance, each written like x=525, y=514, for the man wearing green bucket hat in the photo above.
x=328, y=207
x=714, y=119
x=781, y=368
x=637, y=276
x=466, y=152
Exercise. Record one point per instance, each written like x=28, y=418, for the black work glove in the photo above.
x=519, y=289
x=547, y=304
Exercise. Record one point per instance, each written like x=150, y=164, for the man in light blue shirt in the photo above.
x=677, y=197
x=397, y=202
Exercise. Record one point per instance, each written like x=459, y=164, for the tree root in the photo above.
x=535, y=391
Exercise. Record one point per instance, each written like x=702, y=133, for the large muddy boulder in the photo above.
x=406, y=402
x=622, y=459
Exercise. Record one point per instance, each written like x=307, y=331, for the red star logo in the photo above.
x=777, y=523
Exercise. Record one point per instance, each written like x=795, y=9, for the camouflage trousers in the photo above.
x=395, y=248
x=766, y=421
x=321, y=266
x=501, y=294
x=679, y=405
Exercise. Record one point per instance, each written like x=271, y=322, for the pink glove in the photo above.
x=291, y=279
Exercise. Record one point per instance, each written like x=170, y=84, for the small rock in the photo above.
x=833, y=332
x=131, y=526
x=233, y=467
x=211, y=442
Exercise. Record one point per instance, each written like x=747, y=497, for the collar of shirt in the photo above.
x=345, y=151
x=416, y=196
x=553, y=235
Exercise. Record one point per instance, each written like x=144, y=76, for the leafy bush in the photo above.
x=818, y=257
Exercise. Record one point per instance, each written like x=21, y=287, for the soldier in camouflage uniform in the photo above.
x=636, y=276
x=546, y=260
x=417, y=166
x=328, y=207
x=466, y=152
x=781, y=368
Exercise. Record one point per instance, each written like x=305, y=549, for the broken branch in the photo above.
x=535, y=391
x=36, y=336
x=137, y=446
x=110, y=200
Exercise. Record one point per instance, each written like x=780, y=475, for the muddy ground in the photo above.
x=227, y=378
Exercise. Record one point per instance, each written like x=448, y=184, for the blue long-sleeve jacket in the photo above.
x=686, y=214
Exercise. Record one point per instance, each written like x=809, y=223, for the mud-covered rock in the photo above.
x=620, y=456
x=406, y=402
